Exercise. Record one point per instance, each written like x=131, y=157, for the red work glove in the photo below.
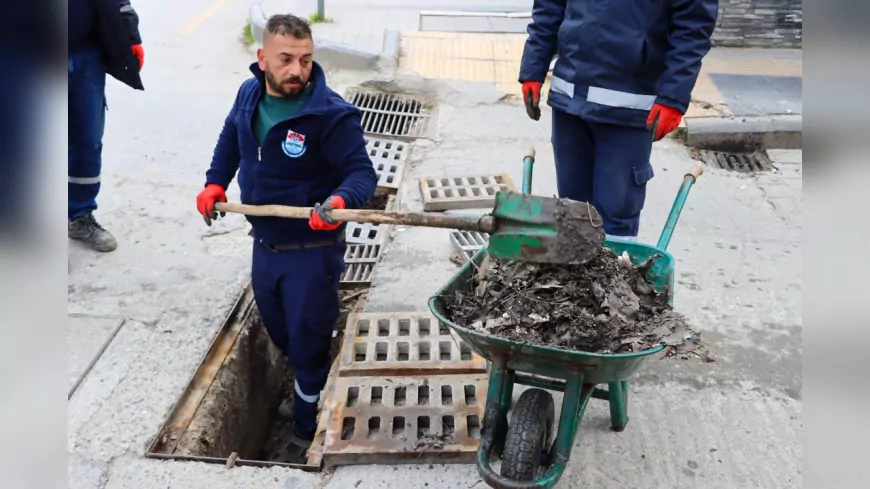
x=532, y=97
x=319, y=221
x=668, y=120
x=206, y=200
x=139, y=52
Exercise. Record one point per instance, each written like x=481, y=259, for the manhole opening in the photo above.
x=390, y=114
x=234, y=414
x=739, y=162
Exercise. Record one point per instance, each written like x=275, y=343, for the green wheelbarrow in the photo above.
x=575, y=373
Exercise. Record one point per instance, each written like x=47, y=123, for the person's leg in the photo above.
x=574, y=152
x=266, y=272
x=622, y=171
x=86, y=119
x=310, y=295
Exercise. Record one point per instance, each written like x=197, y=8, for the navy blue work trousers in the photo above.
x=297, y=294
x=87, y=121
x=606, y=165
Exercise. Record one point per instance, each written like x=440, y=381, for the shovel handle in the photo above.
x=689, y=179
x=483, y=224
x=528, y=165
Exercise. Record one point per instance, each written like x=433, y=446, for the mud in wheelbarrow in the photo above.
x=533, y=454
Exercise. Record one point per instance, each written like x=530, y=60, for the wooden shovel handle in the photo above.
x=484, y=224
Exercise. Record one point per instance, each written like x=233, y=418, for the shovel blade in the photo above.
x=545, y=229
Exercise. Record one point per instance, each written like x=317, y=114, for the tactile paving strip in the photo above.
x=412, y=343
x=388, y=158
x=410, y=419
x=462, y=192
x=468, y=242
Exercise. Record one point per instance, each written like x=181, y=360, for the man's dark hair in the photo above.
x=288, y=24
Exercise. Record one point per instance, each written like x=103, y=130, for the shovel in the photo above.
x=522, y=226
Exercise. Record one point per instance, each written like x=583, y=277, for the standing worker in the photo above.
x=624, y=69
x=294, y=142
x=103, y=38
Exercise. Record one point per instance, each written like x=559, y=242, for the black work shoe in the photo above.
x=301, y=439
x=87, y=230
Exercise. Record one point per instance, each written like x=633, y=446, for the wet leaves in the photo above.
x=603, y=306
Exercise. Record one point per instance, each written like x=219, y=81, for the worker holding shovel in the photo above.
x=624, y=69
x=294, y=142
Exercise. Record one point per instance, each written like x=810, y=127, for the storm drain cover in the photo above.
x=388, y=158
x=468, y=242
x=390, y=114
x=357, y=274
x=739, y=162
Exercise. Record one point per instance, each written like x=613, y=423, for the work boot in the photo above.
x=87, y=230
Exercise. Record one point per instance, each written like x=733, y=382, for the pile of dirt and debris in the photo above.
x=603, y=306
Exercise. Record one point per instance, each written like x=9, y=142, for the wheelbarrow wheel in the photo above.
x=528, y=436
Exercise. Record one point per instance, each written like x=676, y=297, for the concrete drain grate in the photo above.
x=362, y=253
x=390, y=114
x=468, y=242
x=409, y=343
x=463, y=192
x=739, y=162
x=388, y=158
x=357, y=274
x=367, y=234
x=414, y=419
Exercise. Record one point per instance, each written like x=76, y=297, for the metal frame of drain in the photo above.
x=468, y=243
x=413, y=343
x=737, y=162
x=398, y=419
x=463, y=192
x=390, y=114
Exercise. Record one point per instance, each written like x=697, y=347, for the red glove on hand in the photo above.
x=532, y=97
x=668, y=120
x=319, y=221
x=139, y=52
x=206, y=200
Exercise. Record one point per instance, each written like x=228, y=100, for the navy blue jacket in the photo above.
x=111, y=26
x=618, y=57
x=303, y=160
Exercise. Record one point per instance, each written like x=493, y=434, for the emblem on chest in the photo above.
x=294, y=144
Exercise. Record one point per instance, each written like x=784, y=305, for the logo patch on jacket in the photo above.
x=294, y=144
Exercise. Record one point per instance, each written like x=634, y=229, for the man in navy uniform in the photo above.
x=294, y=141
x=625, y=68
x=103, y=39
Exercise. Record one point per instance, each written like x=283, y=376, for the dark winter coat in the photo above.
x=113, y=27
x=618, y=57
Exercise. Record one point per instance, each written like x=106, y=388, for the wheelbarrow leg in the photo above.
x=618, y=399
x=507, y=395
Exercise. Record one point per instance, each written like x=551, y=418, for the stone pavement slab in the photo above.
x=86, y=336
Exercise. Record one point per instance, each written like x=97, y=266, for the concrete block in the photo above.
x=463, y=192
x=257, y=19
x=403, y=344
x=367, y=234
x=405, y=419
x=388, y=157
x=340, y=56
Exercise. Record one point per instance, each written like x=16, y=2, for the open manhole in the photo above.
x=390, y=114
x=739, y=162
x=229, y=413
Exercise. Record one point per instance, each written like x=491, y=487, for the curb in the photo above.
x=744, y=134
x=336, y=55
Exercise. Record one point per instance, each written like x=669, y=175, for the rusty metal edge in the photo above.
x=243, y=304
x=389, y=458
x=236, y=462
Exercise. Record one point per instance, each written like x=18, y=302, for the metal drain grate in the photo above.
x=390, y=114
x=362, y=253
x=388, y=158
x=739, y=162
x=415, y=343
x=356, y=274
x=383, y=420
x=468, y=242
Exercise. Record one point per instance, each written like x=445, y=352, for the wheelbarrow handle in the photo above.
x=689, y=179
x=528, y=164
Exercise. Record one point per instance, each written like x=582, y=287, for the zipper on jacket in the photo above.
x=259, y=153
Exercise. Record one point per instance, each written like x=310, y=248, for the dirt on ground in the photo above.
x=378, y=202
x=603, y=306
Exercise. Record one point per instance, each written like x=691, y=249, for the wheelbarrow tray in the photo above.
x=554, y=362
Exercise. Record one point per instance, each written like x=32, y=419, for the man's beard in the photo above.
x=278, y=87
